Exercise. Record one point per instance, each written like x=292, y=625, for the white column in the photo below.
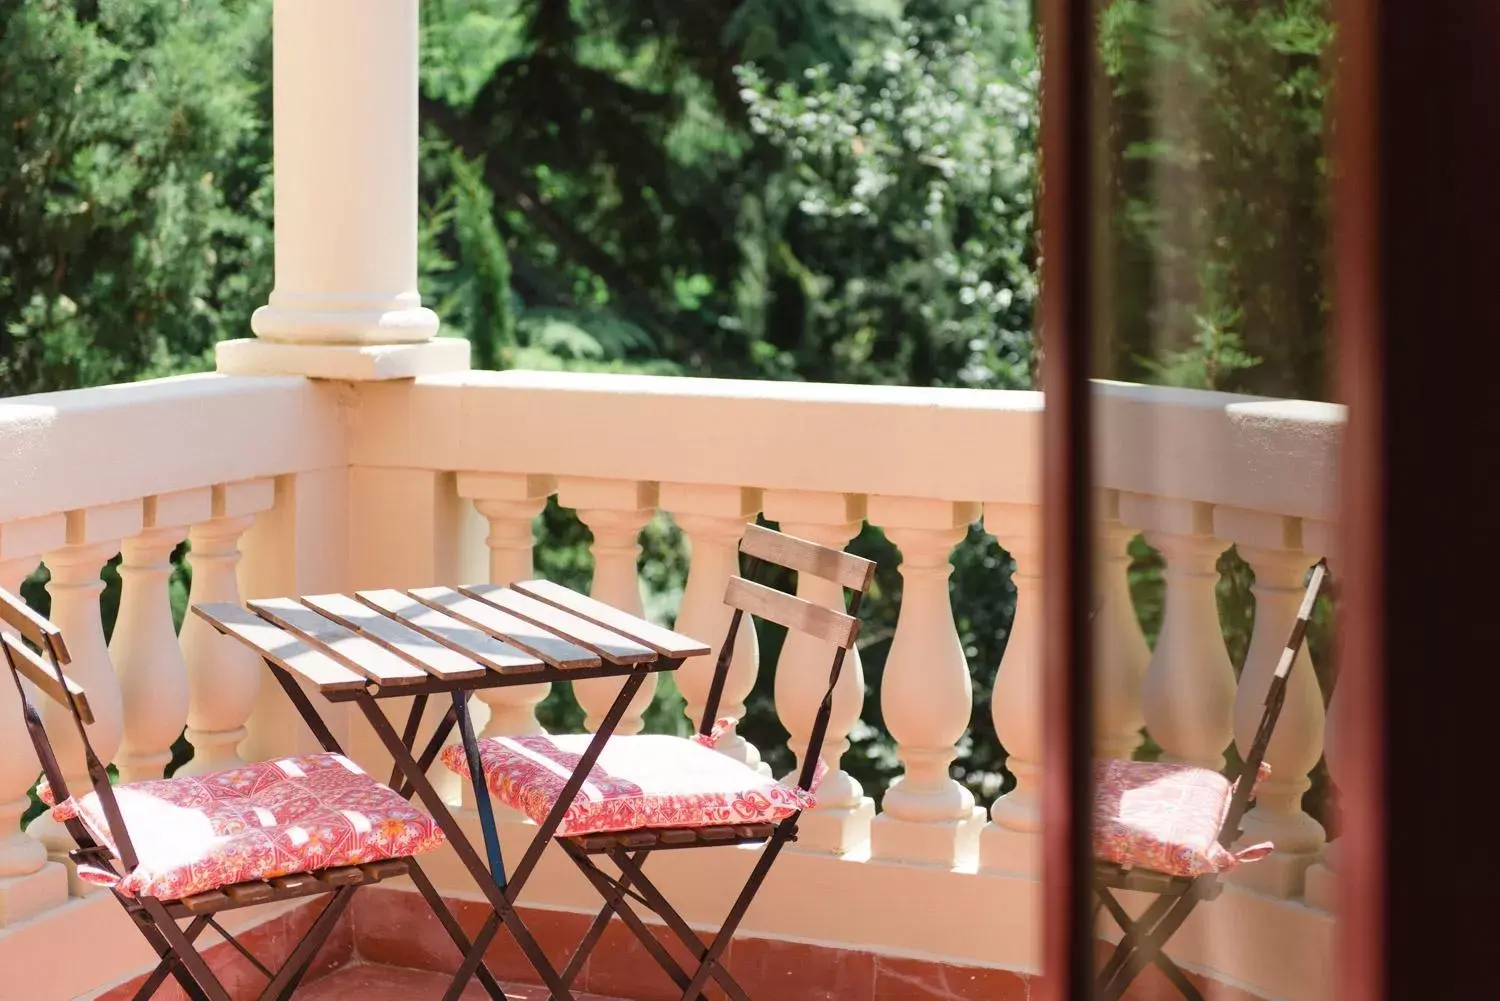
x=925, y=694
x=29, y=883
x=1011, y=842
x=714, y=519
x=224, y=675
x=615, y=511
x=93, y=538
x=345, y=302
x=1272, y=547
x=510, y=503
x=840, y=823
x=1189, y=692
x=148, y=661
x=1121, y=655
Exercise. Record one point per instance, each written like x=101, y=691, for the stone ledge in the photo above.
x=344, y=362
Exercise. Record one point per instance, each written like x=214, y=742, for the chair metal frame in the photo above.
x=158, y=919
x=630, y=850
x=410, y=766
x=1144, y=939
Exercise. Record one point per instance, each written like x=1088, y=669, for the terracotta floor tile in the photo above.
x=621, y=966
x=1153, y=985
x=791, y=971
x=916, y=980
x=364, y=982
x=397, y=928
x=270, y=942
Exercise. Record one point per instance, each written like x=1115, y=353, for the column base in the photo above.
x=838, y=831
x=1015, y=853
x=24, y=897
x=1321, y=887
x=344, y=362
x=947, y=843
x=1280, y=874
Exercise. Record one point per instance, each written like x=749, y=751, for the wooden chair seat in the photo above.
x=672, y=837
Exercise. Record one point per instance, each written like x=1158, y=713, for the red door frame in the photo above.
x=1375, y=43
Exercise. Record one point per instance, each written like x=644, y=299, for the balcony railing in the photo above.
x=286, y=485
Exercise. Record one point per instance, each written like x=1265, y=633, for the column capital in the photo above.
x=506, y=486
x=174, y=510
x=30, y=537
x=1018, y=529
x=922, y=514
x=805, y=507
x=711, y=500
x=1165, y=515
x=588, y=493
x=107, y=524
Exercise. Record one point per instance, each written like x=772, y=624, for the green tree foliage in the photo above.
x=834, y=190
x=1218, y=177
x=134, y=185
x=905, y=206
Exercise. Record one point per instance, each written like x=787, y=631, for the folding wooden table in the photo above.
x=382, y=644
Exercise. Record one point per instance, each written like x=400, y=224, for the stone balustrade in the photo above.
x=321, y=486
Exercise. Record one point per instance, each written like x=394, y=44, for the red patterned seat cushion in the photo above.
x=1164, y=817
x=267, y=819
x=638, y=781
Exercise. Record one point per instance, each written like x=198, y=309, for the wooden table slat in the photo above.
x=607, y=643
x=514, y=630
x=664, y=641
x=348, y=647
x=422, y=650
x=280, y=647
x=494, y=654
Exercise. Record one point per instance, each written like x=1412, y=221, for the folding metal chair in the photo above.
x=1145, y=938
x=107, y=854
x=629, y=849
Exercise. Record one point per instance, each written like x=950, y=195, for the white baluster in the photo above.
x=615, y=511
x=926, y=696
x=840, y=823
x=29, y=883
x=714, y=519
x=1012, y=842
x=148, y=661
x=1121, y=655
x=1322, y=887
x=224, y=675
x=93, y=536
x=1297, y=742
x=1188, y=696
x=510, y=503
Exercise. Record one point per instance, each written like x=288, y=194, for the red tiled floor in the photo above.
x=916, y=980
x=768, y=968
x=271, y=942
x=390, y=983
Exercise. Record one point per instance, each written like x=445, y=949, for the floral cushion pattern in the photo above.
x=638, y=781
x=259, y=821
x=1165, y=818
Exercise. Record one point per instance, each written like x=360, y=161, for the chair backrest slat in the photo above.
x=791, y=611
x=1275, y=699
x=807, y=557
x=22, y=618
x=43, y=676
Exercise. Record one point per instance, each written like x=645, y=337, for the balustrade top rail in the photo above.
x=85, y=448
x=329, y=487
x=91, y=447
